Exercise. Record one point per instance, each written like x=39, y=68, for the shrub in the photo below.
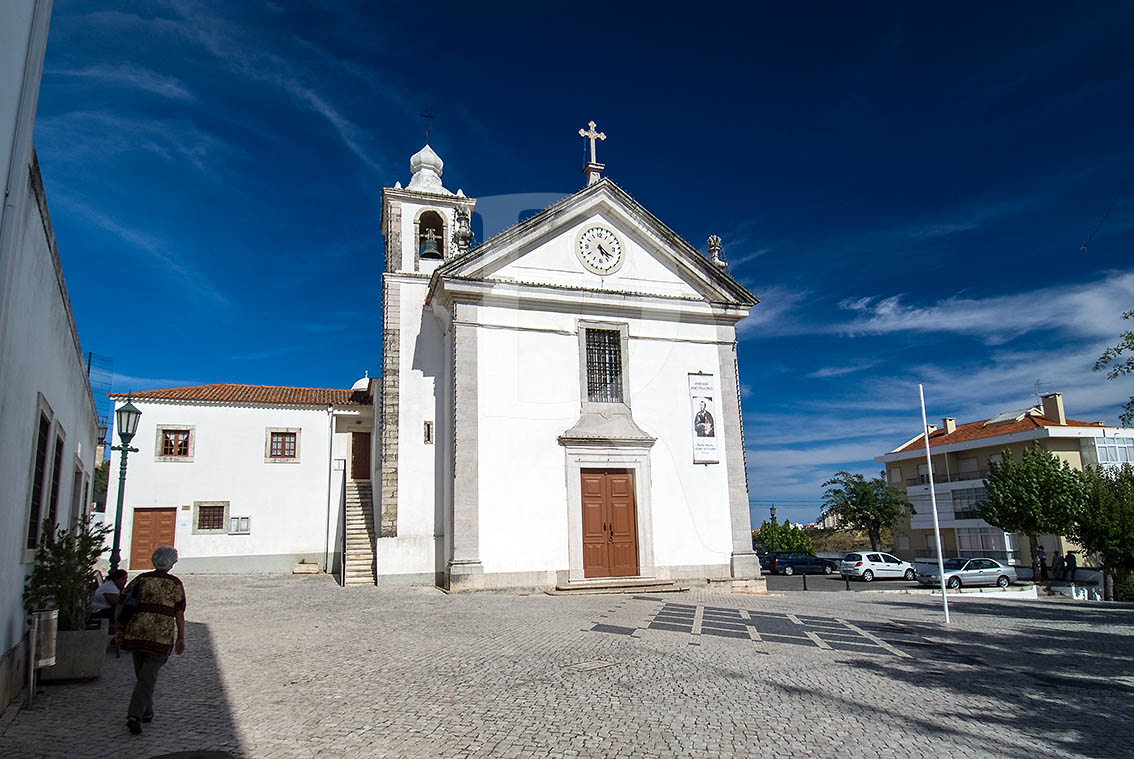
x=64, y=572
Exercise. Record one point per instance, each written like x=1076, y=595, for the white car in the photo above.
x=872, y=565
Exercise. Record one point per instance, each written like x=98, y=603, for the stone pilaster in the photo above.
x=391, y=367
x=465, y=569
x=744, y=564
x=394, y=252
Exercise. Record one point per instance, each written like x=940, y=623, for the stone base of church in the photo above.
x=758, y=586
x=465, y=575
x=744, y=566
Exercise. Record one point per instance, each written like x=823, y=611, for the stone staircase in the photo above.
x=359, y=562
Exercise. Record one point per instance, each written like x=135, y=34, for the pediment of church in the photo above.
x=599, y=239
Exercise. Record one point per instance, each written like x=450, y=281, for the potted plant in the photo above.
x=64, y=578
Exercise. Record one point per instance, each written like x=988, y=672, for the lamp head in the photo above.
x=127, y=417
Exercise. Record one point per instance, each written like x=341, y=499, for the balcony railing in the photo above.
x=929, y=556
x=923, y=479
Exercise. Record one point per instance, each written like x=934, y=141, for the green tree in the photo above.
x=871, y=506
x=1104, y=522
x=101, y=474
x=1040, y=495
x=782, y=537
x=1116, y=366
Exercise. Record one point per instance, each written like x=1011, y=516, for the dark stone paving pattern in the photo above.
x=720, y=622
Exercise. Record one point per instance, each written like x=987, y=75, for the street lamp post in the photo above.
x=127, y=423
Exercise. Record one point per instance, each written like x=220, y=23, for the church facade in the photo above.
x=559, y=406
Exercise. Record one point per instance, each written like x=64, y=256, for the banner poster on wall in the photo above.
x=702, y=391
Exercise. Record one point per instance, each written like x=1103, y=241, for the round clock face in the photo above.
x=600, y=249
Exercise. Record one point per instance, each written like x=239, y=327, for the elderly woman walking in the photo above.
x=152, y=611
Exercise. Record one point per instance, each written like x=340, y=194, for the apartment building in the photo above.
x=961, y=454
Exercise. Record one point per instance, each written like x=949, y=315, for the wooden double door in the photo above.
x=610, y=530
x=151, y=528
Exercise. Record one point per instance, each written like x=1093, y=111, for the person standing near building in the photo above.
x=1072, y=564
x=1057, y=567
x=156, y=627
x=1043, y=563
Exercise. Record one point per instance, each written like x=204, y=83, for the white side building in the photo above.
x=48, y=423
x=243, y=478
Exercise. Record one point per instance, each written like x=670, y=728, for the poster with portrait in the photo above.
x=703, y=418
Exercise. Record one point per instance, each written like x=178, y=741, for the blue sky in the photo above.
x=905, y=188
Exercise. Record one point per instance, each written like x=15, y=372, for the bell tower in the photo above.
x=424, y=223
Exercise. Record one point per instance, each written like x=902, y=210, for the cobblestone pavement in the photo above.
x=298, y=667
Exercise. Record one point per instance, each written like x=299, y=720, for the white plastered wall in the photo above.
x=529, y=394
x=287, y=503
x=412, y=554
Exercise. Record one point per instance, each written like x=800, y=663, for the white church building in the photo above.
x=559, y=406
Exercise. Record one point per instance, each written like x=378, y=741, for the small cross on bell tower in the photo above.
x=593, y=169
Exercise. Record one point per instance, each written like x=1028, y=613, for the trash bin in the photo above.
x=46, y=626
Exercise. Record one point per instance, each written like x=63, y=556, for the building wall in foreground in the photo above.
x=41, y=365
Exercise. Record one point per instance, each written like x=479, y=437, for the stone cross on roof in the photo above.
x=592, y=135
x=593, y=170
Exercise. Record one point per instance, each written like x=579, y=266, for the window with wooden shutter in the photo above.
x=283, y=445
x=39, y=472
x=175, y=443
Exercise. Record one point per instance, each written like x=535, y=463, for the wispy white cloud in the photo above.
x=1089, y=309
x=229, y=44
x=83, y=136
x=154, y=247
x=776, y=314
x=132, y=77
x=844, y=369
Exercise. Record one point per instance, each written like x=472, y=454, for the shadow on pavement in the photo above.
x=1069, y=687
x=192, y=712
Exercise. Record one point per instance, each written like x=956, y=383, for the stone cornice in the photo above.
x=559, y=297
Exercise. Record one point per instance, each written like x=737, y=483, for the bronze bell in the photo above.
x=430, y=250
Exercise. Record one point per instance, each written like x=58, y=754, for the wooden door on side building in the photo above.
x=610, y=533
x=152, y=528
x=360, y=456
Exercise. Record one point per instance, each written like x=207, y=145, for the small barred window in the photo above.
x=210, y=517
x=604, y=365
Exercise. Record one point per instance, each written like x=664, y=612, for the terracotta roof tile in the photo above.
x=977, y=431
x=256, y=394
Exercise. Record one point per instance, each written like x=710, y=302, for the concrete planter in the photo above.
x=79, y=654
x=305, y=569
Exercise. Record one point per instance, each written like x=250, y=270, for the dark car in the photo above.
x=798, y=562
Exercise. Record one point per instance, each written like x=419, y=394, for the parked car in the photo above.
x=798, y=562
x=961, y=571
x=871, y=565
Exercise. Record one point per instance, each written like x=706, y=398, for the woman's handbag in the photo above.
x=130, y=605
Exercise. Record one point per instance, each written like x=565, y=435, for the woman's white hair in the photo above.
x=164, y=557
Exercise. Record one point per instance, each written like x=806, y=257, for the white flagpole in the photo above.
x=933, y=501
